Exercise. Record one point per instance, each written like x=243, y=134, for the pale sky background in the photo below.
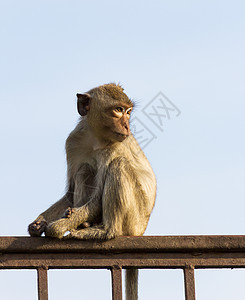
x=193, y=52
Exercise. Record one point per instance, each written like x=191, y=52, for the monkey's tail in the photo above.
x=131, y=284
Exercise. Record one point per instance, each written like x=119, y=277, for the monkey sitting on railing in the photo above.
x=111, y=186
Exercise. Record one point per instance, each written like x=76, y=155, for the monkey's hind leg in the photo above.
x=97, y=232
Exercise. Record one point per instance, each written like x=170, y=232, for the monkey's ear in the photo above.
x=83, y=103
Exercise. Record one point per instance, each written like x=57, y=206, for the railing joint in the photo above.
x=189, y=267
x=43, y=267
x=116, y=267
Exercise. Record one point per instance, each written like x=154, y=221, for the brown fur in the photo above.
x=111, y=184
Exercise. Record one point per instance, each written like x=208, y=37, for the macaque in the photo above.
x=111, y=187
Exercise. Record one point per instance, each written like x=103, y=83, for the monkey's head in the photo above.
x=107, y=109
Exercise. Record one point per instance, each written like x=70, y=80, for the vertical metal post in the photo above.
x=189, y=283
x=116, y=276
x=42, y=281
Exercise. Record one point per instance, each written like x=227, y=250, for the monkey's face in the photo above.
x=116, y=122
x=107, y=110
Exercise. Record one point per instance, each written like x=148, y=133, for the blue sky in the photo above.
x=192, y=52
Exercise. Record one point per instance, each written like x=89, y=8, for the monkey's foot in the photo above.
x=75, y=234
x=95, y=233
x=57, y=229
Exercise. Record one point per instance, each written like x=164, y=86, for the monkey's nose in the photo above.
x=126, y=129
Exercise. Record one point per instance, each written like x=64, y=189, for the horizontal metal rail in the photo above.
x=163, y=252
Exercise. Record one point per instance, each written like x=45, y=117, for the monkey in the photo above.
x=111, y=187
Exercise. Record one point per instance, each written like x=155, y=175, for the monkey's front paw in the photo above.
x=37, y=227
x=69, y=212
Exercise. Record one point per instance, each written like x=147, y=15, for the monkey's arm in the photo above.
x=87, y=213
x=38, y=226
x=57, y=210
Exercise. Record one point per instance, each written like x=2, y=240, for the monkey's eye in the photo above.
x=128, y=111
x=119, y=109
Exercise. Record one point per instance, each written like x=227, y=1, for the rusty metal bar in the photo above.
x=189, y=283
x=125, y=244
x=162, y=252
x=116, y=276
x=42, y=280
x=126, y=260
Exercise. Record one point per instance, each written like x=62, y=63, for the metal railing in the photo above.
x=163, y=252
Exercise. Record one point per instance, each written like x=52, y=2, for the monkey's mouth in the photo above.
x=121, y=135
